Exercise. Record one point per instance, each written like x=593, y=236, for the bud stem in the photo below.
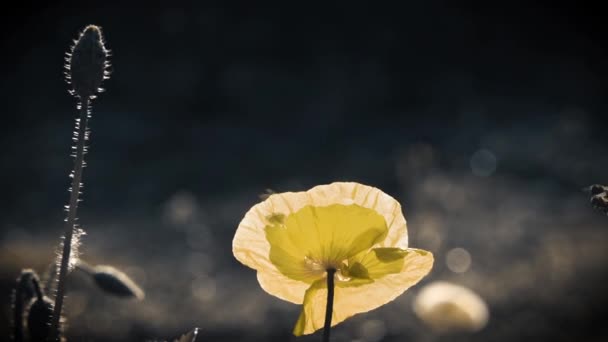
x=81, y=127
x=85, y=268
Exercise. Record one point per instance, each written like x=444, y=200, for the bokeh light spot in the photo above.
x=372, y=330
x=447, y=307
x=204, y=289
x=458, y=260
x=483, y=163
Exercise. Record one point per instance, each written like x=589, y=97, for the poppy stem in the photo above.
x=330, y=304
x=81, y=135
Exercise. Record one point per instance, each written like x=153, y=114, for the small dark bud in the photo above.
x=87, y=63
x=596, y=189
x=25, y=283
x=599, y=197
x=116, y=282
x=600, y=202
x=39, y=317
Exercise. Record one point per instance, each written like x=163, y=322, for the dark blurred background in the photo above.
x=483, y=120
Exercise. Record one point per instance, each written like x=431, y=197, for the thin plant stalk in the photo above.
x=22, y=293
x=18, y=316
x=330, y=304
x=81, y=135
x=86, y=69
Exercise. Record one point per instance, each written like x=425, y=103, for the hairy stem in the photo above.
x=81, y=129
x=330, y=304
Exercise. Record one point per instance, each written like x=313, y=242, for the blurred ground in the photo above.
x=484, y=122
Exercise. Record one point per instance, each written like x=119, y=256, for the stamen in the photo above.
x=314, y=265
x=341, y=276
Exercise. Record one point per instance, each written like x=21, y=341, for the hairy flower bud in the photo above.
x=115, y=282
x=39, y=318
x=27, y=288
x=25, y=283
x=87, y=63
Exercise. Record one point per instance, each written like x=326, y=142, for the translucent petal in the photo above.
x=314, y=306
x=380, y=262
x=251, y=247
x=314, y=239
x=280, y=286
x=361, y=295
x=368, y=197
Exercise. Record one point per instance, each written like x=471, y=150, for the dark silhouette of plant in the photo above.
x=599, y=197
x=86, y=69
x=36, y=317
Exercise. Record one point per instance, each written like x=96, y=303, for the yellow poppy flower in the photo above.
x=357, y=232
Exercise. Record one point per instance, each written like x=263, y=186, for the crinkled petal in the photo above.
x=280, y=286
x=314, y=306
x=251, y=247
x=362, y=295
x=367, y=197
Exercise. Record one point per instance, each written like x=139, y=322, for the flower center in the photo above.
x=319, y=268
x=308, y=242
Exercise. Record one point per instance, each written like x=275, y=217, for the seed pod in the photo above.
x=39, y=317
x=116, y=282
x=87, y=63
